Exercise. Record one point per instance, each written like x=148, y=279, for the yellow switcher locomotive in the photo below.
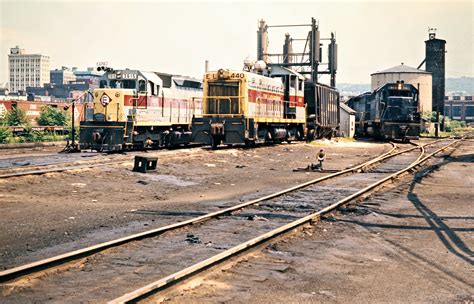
x=246, y=107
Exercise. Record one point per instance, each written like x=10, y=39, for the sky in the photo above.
x=177, y=37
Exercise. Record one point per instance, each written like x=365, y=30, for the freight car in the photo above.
x=139, y=109
x=322, y=110
x=263, y=105
x=389, y=112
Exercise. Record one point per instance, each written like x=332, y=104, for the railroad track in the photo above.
x=273, y=215
x=20, y=166
x=63, y=164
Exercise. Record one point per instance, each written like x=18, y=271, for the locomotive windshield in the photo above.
x=118, y=84
x=400, y=108
x=404, y=93
x=224, y=104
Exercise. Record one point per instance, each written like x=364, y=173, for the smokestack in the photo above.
x=288, y=49
x=206, y=66
x=262, y=41
x=435, y=64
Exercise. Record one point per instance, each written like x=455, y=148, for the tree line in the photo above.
x=16, y=117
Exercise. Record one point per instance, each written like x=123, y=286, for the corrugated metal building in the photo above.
x=422, y=80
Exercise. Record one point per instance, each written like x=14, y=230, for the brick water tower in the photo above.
x=435, y=64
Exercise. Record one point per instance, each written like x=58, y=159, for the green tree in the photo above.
x=5, y=134
x=452, y=125
x=429, y=116
x=16, y=117
x=3, y=120
x=50, y=116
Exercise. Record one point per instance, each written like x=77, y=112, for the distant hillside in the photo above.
x=460, y=85
x=463, y=85
x=353, y=87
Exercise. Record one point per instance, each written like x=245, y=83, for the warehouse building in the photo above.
x=459, y=108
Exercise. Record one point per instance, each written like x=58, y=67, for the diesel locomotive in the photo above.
x=263, y=105
x=389, y=112
x=138, y=109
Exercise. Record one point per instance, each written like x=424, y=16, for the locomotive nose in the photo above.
x=96, y=136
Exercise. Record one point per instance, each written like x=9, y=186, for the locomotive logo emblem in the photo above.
x=105, y=99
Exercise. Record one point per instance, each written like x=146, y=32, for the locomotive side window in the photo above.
x=152, y=88
x=293, y=82
x=141, y=85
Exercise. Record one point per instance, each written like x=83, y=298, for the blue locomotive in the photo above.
x=389, y=112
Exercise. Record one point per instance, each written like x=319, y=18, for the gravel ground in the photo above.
x=57, y=212
x=410, y=243
x=405, y=244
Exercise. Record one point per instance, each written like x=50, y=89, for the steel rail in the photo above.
x=94, y=163
x=12, y=273
x=416, y=146
x=198, y=267
x=82, y=166
x=60, y=169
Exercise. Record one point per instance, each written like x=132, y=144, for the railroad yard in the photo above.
x=331, y=164
x=401, y=242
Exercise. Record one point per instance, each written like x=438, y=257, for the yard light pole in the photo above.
x=72, y=146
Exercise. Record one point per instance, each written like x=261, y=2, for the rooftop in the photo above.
x=401, y=69
x=346, y=108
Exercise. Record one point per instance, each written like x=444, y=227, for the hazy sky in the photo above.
x=177, y=37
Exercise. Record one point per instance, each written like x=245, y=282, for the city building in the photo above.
x=62, y=76
x=59, y=91
x=66, y=84
x=458, y=107
x=90, y=76
x=27, y=70
x=422, y=80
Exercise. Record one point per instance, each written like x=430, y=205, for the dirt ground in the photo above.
x=57, y=212
x=411, y=243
